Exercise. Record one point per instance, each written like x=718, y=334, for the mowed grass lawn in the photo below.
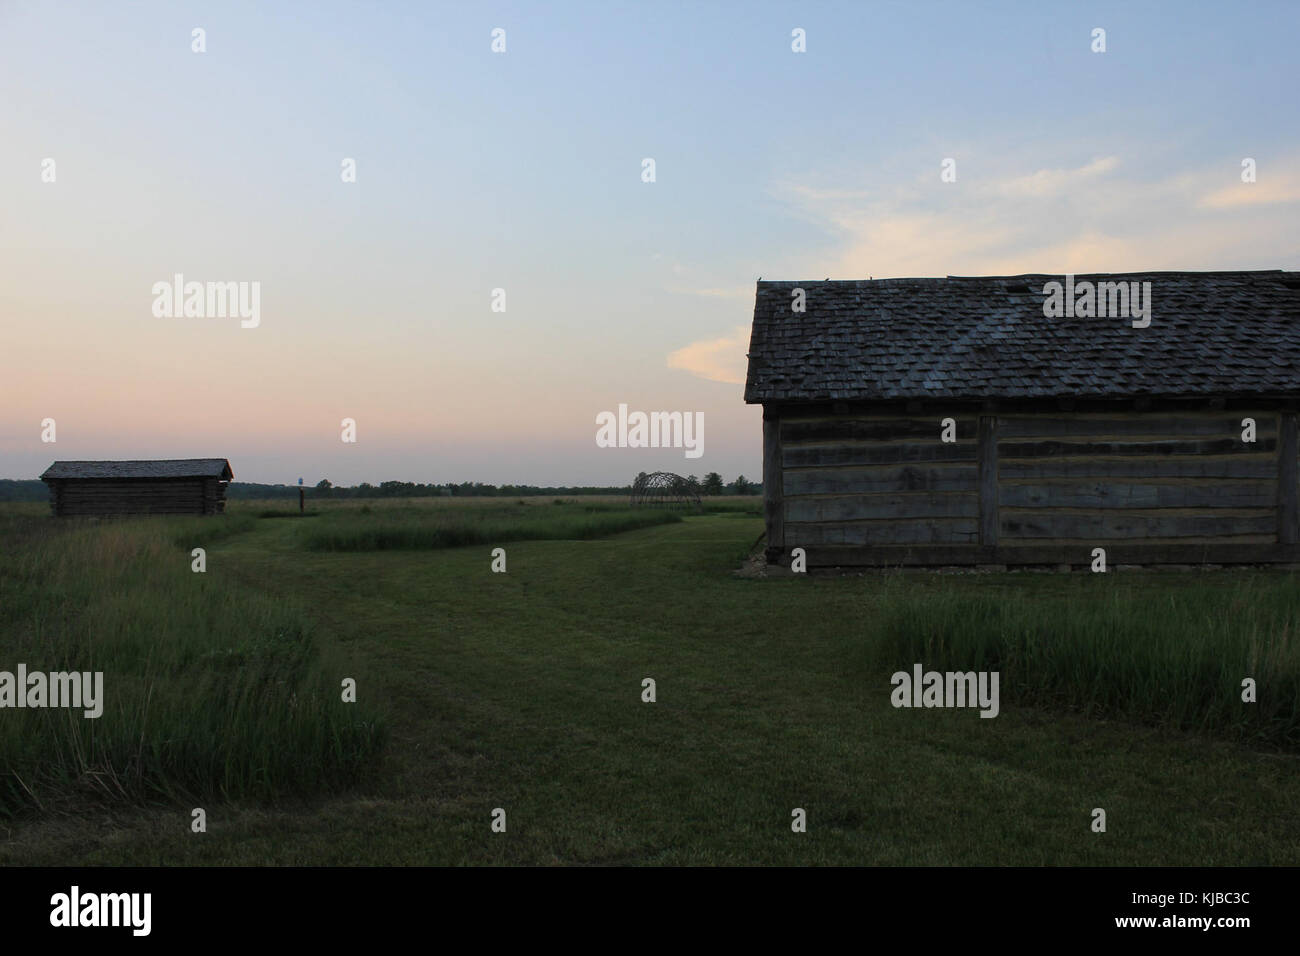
x=523, y=691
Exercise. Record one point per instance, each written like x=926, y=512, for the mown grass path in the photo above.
x=523, y=691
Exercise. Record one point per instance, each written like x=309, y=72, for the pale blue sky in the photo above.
x=522, y=170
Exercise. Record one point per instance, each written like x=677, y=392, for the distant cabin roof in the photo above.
x=171, y=468
x=1211, y=333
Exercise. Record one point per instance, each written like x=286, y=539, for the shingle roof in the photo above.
x=1219, y=333
x=173, y=468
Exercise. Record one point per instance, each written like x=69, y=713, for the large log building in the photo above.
x=190, y=486
x=1170, y=439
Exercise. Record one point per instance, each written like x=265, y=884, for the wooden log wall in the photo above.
x=1288, y=510
x=773, y=499
x=1156, y=477
x=878, y=480
x=108, y=497
x=1034, y=487
x=214, y=496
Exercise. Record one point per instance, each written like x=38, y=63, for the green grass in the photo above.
x=523, y=691
x=423, y=528
x=751, y=506
x=192, y=533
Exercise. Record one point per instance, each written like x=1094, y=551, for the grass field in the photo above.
x=523, y=691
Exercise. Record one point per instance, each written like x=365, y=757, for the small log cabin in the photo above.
x=951, y=421
x=189, y=486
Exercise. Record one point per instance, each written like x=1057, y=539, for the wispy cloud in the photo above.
x=1271, y=189
x=1043, y=183
x=1089, y=217
x=718, y=360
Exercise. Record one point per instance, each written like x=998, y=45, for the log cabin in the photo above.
x=967, y=421
x=190, y=486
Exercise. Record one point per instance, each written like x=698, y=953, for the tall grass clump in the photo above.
x=1173, y=658
x=431, y=528
x=208, y=690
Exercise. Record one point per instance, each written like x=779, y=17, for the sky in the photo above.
x=524, y=171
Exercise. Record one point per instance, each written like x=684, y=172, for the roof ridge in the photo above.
x=1035, y=275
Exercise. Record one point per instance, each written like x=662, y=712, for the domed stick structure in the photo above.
x=665, y=488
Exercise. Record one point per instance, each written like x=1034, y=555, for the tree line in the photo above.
x=713, y=484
